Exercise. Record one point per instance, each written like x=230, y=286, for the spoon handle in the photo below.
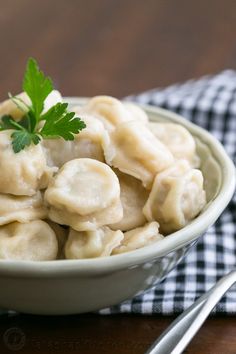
x=177, y=336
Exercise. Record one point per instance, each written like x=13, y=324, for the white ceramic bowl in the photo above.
x=76, y=286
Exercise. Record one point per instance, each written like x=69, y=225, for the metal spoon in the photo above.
x=178, y=335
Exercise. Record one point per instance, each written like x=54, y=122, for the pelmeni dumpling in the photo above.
x=139, y=237
x=87, y=144
x=21, y=208
x=133, y=197
x=90, y=244
x=109, y=110
x=22, y=173
x=10, y=108
x=83, y=186
x=85, y=194
x=134, y=150
x=178, y=140
x=33, y=241
x=62, y=236
x=177, y=196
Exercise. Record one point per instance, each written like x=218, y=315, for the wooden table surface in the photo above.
x=114, y=47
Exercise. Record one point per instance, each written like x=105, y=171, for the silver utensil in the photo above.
x=178, y=335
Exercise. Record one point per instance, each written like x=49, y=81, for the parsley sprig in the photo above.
x=58, y=121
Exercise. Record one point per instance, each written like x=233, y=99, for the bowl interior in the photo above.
x=219, y=175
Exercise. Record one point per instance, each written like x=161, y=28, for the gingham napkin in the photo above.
x=211, y=103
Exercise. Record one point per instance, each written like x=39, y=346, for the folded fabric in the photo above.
x=209, y=102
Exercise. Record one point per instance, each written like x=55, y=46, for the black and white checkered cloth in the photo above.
x=211, y=103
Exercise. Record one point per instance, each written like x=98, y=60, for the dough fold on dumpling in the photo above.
x=33, y=241
x=8, y=106
x=133, y=197
x=177, y=196
x=90, y=244
x=21, y=208
x=178, y=140
x=92, y=221
x=134, y=150
x=85, y=194
x=87, y=144
x=22, y=173
x=139, y=237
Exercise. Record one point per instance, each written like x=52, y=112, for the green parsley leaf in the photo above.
x=37, y=86
x=7, y=122
x=60, y=123
x=22, y=138
x=25, y=122
x=56, y=111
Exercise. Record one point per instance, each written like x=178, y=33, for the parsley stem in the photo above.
x=29, y=123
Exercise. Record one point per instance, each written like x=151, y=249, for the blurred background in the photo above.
x=115, y=47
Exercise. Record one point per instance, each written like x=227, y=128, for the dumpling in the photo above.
x=9, y=107
x=83, y=186
x=133, y=197
x=87, y=144
x=109, y=110
x=85, y=194
x=177, y=196
x=33, y=241
x=21, y=208
x=139, y=237
x=90, y=244
x=178, y=140
x=22, y=173
x=134, y=150
x=61, y=235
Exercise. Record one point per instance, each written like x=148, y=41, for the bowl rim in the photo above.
x=189, y=233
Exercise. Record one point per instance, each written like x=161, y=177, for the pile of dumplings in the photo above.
x=121, y=184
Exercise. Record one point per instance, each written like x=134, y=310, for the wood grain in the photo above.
x=114, y=47
x=109, y=334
